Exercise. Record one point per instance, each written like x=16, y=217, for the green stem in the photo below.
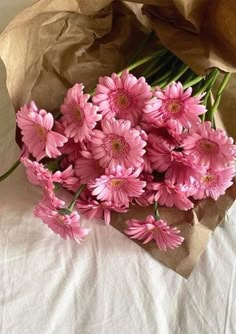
x=183, y=69
x=156, y=212
x=143, y=60
x=11, y=170
x=192, y=82
x=76, y=196
x=218, y=95
x=209, y=82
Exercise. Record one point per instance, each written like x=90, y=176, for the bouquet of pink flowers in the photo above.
x=132, y=141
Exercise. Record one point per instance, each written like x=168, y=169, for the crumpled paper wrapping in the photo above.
x=56, y=43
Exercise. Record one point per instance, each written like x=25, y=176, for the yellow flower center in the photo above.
x=208, y=146
x=78, y=114
x=117, y=183
x=208, y=178
x=122, y=100
x=174, y=106
x=116, y=146
x=41, y=132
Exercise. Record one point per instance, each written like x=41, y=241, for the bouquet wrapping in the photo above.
x=74, y=41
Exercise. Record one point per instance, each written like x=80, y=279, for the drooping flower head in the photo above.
x=79, y=116
x=122, y=97
x=179, y=105
x=67, y=225
x=67, y=178
x=169, y=194
x=118, y=186
x=36, y=128
x=214, y=182
x=38, y=174
x=209, y=147
x=117, y=144
x=152, y=229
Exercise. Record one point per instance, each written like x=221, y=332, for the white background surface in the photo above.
x=108, y=285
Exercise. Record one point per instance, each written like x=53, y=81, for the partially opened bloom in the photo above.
x=87, y=168
x=152, y=229
x=78, y=115
x=118, y=144
x=209, y=147
x=169, y=194
x=36, y=128
x=67, y=178
x=67, y=225
x=159, y=154
x=182, y=169
x=179, y=105
x=118, y=186
x=38, y=174
x=122, y=97
x=214, y=182
x=169, y=131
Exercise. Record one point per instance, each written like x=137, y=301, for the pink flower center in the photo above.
x=116, y=145
x=117, y=183
x=174, y=106
x=207, y=146
x=41, y=132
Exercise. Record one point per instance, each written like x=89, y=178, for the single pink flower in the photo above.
x=169, y=194
x=92, y=208
x=36, y=128
x=118, y=186
x=122, y=97
x=50, y=199
x=152, y=229
x=78, y=115
x=209, y=147
x=66, y=224
x=182, y=169
x=169, y=131
x=67, y=178
x=38, y=174
x=179, y=105
x=213, y=183
x=117, y=144
x=87, y=168
x=159, y=154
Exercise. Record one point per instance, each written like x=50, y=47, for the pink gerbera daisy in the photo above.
x=118, y=186
x=169, y=131
x=67, y=225
x=36, y=128
x=87, y=168
x=179, y=105
x=213, y=183
x=159, y=153
x=182, y=169
x=209, y=147
x=38, y=174
x=122, y=97
x=169, y=194
x=117, y=144
x=79, y=116
x=152, y=229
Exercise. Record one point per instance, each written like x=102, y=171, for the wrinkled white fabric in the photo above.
x=107, y=285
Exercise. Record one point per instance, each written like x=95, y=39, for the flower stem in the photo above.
x=156, y=212
x=209, y=82
x=11, y=170
x=218, y=96
x=192, y=82
x=144, y=60
x=76, y=196
x=183, y=69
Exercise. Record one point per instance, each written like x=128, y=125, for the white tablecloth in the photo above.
x=108, y=285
